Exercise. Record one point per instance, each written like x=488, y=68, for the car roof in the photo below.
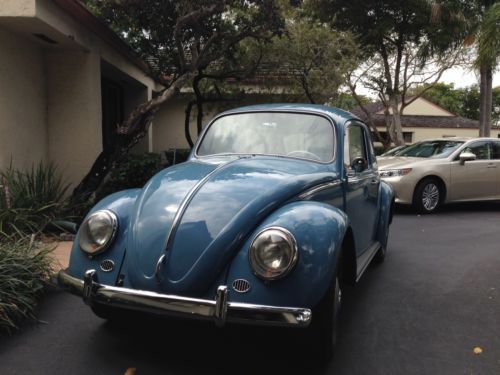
x=461, y=139
x=340, y=116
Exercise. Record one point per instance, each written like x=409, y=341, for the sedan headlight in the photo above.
x=273, y=253
x=98, y=231
x=394, y=172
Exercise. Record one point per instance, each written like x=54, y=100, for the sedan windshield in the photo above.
x=431, y=149
x=295, y=135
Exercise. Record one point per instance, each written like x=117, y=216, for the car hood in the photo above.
x=394, y=162
x=198, y=213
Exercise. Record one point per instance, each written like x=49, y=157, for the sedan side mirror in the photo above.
x=359, y=164
x=467, y=156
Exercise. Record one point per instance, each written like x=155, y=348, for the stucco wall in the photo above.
x=74, y=111
x=23, y=132
x=17, y=8
x=423, y=107
x=169, y=126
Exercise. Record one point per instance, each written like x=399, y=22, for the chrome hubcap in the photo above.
x=430, y=197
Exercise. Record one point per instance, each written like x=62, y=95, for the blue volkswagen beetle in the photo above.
x=276, y=209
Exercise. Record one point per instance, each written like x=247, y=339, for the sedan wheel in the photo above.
x=427, y=196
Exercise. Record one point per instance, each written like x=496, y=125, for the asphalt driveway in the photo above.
x=433, y=302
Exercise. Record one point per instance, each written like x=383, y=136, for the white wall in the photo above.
x=74, y=111
x=23, y=115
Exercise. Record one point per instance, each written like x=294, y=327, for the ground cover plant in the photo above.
x=25, y=268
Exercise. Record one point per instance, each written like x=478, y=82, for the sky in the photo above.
x=460, y=77
x=464, y=77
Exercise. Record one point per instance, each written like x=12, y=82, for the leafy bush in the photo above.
x=30, y=200
x=25, y=269
x=177, y=155
x=133, y=171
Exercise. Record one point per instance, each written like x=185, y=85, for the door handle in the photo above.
x=491, y=165
x=374, y=182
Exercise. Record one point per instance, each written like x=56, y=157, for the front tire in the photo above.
x=324, y=325
x=428, y=196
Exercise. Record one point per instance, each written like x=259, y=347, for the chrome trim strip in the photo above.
x=372, y=251
x=185, y=202
x=308, y=194
x=219, y=309
x=158, y=267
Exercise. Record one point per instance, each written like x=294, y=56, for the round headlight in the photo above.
x=97, y=231
x=273, y=253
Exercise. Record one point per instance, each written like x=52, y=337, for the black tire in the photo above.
x=322, y=333
x=428, y=196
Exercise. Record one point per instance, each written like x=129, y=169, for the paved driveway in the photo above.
x=435, y=299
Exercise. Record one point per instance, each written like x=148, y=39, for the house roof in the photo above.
x=417, y=121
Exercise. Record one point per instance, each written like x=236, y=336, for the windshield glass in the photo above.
x=296, y=135
x=431, y=149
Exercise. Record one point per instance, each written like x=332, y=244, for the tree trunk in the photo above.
x=132, y=130
x=485, y=101
x=187, y=122
x=396, y=130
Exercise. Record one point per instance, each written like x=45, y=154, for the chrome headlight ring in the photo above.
x=98, y=231
x=273, y=253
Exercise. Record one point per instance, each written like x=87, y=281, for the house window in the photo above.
x=112, y=95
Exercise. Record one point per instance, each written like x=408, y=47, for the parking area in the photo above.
x=432, y=308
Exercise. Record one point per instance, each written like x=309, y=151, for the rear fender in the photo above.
x=319, y=231
x=386, y=207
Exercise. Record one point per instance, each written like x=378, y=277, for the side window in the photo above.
x=356, y=143
x=480, y=149
x=495, y=151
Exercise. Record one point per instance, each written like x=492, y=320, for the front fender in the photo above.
x=121, y=203
x=319, y=230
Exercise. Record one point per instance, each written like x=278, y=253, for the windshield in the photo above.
x=431, y=149
x=395, y=151
x=297, y=135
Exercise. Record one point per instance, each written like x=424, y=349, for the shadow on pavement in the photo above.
x=462, y=207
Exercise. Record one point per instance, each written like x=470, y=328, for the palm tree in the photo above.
x=488, y=53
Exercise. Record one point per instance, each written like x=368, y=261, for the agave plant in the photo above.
x=29, y=200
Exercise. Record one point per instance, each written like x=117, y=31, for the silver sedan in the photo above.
x=430, y=173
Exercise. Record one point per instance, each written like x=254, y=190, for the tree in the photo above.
x=309, y=62
x=180, y=38
x=488, y=52
x=401, y=47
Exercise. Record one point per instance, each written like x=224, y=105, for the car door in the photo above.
x=362, y=190
x=495, y=158
x=474, y=179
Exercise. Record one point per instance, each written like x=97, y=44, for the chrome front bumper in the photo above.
x=219, y=309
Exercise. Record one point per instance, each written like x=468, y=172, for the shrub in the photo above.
x=30, y=200
x=25, y=269
x=133, y=171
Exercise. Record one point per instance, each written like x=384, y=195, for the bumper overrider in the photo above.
x=219, y=309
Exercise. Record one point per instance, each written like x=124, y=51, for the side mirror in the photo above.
x=467, y=156
x=359, y=164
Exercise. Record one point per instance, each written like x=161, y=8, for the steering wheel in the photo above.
x=311, y=155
